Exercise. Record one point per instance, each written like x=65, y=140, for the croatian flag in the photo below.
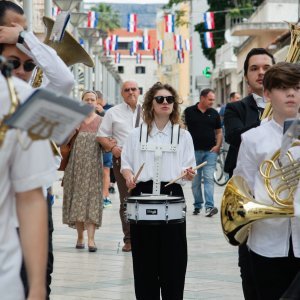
x=209, y=40
x=146, y=42
x=169, y=23
x=92, y=19
x=55, y=11
x=160, y=45
x=114, y=42
x=107, y=46
x=138, y=58
x=177, y=42
x=132, y=23
x=134, y=47
x=155, y=53
x=159, y=57
x=180, y=55
x=117, y=58
x=209, y=20
x=188, y=44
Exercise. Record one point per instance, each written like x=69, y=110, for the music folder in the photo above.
x=45, y=115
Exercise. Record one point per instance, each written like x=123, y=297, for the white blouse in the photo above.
x=172, y=164
x=268, y=237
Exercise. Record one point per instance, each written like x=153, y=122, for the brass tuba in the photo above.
x=292, y=57
x=69, y=50
x=239, y=209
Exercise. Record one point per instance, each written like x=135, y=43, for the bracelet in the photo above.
x=112, y=148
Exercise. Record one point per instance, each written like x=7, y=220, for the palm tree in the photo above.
x=108, y=18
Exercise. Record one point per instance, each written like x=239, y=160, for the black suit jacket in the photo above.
x=239, y=117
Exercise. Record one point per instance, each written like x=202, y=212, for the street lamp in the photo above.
x=67, y=5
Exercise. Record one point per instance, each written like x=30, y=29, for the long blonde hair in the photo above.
x=148, y=113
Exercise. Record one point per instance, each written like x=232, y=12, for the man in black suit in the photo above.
x=239, y=117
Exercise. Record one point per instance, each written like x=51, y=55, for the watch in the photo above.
x=21, y=37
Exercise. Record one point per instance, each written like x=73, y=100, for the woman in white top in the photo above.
x=159, y=251
x=274, y=243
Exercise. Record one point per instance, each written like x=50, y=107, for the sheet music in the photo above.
x=59, y=26
x=45, y=113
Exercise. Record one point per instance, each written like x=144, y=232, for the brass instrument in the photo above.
x=239, y=209
x=6, y=70
x=292, y=57
x=69, y=50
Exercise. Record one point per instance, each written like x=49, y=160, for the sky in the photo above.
x=127, y=1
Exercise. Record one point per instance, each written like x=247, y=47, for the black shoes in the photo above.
x=196, y=211
x=209, y=212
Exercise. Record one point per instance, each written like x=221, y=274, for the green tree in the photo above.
x=108, y=18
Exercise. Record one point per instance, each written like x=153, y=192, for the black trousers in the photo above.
x=50, y=256
x=273, y=276
x=159, y=254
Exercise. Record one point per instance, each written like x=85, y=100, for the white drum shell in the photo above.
x=155, y=209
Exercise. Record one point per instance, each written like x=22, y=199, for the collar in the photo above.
x=129, y=108
x=260, y=101
x=156, y=131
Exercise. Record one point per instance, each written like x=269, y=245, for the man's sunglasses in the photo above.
x=161, y=99
x=27, y=65
x=130, y=89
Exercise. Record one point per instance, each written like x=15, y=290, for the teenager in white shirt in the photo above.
x=274, y=243
x=159, y=252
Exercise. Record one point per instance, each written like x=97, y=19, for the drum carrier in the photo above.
x=154, y=208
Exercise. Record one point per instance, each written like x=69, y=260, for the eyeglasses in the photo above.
x=130, y=89
x=161, y=99
x=27, y=65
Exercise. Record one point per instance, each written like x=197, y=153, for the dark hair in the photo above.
x=205, y=92
x=8, y=5
x=282, y=75
x=231, y=95
x=148, y=106
x=256, y=51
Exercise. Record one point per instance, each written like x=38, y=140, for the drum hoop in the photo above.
x=157, y=222
x=155, y=201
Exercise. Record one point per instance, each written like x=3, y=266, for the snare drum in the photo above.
x=155, y=209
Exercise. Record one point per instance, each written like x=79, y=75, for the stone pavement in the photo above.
x=212, y=271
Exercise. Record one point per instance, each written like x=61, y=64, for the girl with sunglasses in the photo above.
x=159, y=252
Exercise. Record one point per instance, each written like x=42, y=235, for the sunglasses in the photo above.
x=130, y=89
x=28, y=66
x=161, y=99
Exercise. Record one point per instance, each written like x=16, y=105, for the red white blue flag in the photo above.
x=209, y=40
x=93, y=19
x=55, y=11
x=134, y=47
x=177, y=42
x=146, y=42
x=107, y=46
x=132, y=23
x=209, y=20
x=159, y=57
x=114, y=42
x=180, y=56
x=160, y=45
x=138, y=58
x=188, y=44
x=117, y=58
x=169, y=23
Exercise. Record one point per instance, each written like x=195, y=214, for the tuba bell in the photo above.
x=69, y=50
x=239, y=209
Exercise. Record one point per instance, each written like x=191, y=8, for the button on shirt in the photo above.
x=118, y=122
x=268, y=237
x=172, y=164
x=20, y=171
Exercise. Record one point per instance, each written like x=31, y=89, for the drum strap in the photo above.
x=158, y=151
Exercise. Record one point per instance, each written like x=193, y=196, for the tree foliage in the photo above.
x=108, y=19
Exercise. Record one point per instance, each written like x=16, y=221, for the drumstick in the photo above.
x=179, y=177
x=137, y=175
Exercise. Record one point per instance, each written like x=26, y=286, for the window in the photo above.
x=121, y=69
x=140, y=70
x=141, y=90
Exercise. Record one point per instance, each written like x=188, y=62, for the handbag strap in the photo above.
x=138, y=115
